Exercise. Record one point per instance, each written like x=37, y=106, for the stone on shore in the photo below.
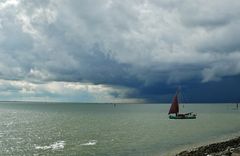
x=226, y=148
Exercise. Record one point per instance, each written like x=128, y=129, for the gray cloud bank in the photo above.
x=134, y=44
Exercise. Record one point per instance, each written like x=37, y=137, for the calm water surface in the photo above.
x=104, y=130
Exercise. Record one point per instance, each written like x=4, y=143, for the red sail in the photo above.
x=174, y=107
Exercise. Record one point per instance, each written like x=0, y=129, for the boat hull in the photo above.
x=182, y=117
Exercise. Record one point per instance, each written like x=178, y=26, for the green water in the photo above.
x=105, y=130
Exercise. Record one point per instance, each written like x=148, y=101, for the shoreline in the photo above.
x=226, y=148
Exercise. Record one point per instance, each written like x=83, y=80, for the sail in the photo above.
x=174, y=107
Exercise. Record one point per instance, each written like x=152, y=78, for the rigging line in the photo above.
x=185, y=98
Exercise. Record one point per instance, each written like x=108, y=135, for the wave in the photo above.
x=90, y=143
x=55, y=146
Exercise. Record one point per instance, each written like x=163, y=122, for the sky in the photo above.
x=119, y=51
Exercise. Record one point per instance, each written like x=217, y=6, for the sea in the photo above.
x=88, y=129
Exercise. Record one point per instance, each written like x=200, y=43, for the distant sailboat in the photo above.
x=174, y=109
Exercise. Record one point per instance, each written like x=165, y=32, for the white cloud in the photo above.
x=9, y=3
x=66, y=91
x=27, y=27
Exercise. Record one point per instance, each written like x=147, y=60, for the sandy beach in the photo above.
x=225, y=148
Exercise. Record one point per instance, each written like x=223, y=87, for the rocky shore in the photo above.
x=226, y=148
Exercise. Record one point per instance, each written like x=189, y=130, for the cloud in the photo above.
x=212, y=15
x=63, y=91
x=229, y=66
x=131, y=44
x=8, y=3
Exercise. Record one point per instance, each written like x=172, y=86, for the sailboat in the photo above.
x=174, y=109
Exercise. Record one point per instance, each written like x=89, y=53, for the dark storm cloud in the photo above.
x=147, y=46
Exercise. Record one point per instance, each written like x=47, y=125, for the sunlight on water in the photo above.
x=105, y=130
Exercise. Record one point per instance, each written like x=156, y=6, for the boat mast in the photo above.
x=177, y=98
